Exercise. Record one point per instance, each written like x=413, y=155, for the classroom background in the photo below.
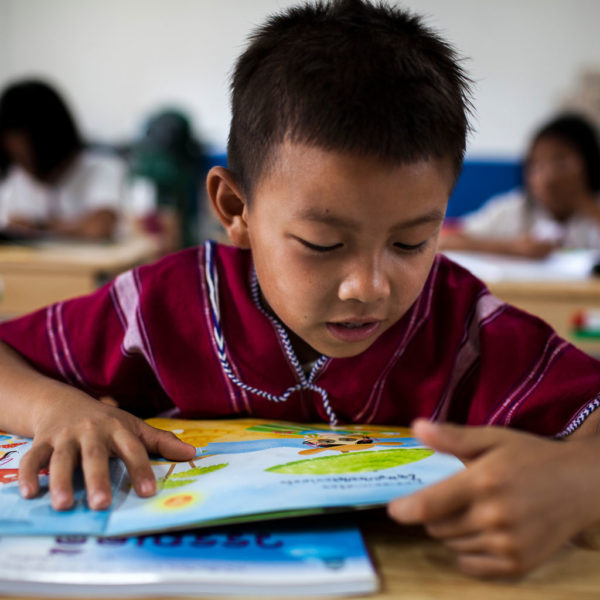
x=119, y=61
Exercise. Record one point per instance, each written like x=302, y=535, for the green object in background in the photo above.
x=169, y=155
x=586, y=324
x=591, y=334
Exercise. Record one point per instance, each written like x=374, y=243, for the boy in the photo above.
x=348, y=133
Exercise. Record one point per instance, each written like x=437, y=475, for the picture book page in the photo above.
x=244, y=469
x=36, y=515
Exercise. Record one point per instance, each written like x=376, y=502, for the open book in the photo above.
x=280, y=560
x=244, y=469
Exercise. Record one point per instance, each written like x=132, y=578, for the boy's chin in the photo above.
x=308, y=352
x=346, y=350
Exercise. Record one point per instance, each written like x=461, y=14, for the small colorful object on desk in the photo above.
x=586, y=324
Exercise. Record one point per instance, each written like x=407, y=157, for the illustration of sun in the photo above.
x=178, y=501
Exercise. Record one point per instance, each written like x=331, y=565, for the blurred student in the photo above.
x=51, y=184
x=558, y=207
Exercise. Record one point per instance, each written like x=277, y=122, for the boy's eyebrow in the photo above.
x=433, y=216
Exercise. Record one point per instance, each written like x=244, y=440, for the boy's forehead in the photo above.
x=308, y=170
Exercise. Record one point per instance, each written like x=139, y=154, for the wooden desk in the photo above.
x=34, y=276
x=556, y=302
x=412, y=566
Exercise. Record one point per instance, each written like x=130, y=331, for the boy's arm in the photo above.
x=68, y=427
x=519, y=499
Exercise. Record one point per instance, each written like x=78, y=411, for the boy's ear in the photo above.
x=229, y=205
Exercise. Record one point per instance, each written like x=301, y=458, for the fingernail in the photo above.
x=60, y=501
x=25, y=490
x=422, y=426
x=400, y=509
x=98, y=500
x=147, y=487
x=420, y=422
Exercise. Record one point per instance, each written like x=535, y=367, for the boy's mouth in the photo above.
x=353, y=331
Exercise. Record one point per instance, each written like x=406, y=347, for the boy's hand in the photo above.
x=78, y=429
x=519, y=499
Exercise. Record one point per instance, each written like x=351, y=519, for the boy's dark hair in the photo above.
x=35, y=109
x=347, y=75
x=579, y=134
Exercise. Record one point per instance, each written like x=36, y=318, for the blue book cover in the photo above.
x=277, y=560
x=244, y=469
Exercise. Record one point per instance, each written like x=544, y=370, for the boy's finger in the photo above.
x=457, y=525
x=488, y=565
x=479, y=516
x=166, y=444
x=29, y=468
x=466, y=442
x=491, y=544
x=131, y=450
x=434, y=503
x=62, y=466
x=94, y=462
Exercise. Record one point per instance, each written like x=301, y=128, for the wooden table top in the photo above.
x=413, y=566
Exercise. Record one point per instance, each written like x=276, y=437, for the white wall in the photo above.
x=525, y=57
x=117, y=60
x=4, y=20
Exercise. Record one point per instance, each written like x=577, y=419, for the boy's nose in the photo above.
x=366, y=283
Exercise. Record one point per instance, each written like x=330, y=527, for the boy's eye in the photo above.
x=411, y=247
x=318, y=248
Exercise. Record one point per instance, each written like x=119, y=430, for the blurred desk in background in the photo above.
x=555, y=289
x=37, y=275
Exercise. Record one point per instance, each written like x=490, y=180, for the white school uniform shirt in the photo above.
x=506, y=216
x=94, y=181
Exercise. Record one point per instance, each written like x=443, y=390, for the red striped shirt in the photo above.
x=149, y=340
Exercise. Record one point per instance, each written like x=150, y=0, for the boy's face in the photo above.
x=343, y=245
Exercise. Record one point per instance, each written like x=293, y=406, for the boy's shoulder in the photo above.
x=460, y=298
x=454, y=280
x=195, y=266
x=171, y=263
x=223, y=254
x=457, y=296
